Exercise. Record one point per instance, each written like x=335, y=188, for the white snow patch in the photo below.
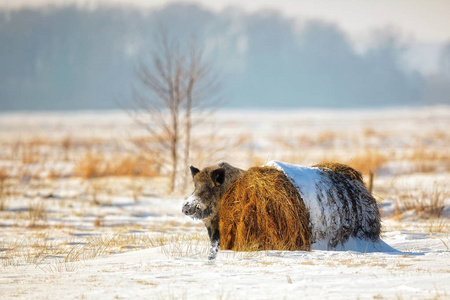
x=356, y=244
x=324, y=217
x=305, y=180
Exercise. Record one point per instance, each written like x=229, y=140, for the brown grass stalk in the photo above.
x=93, y=165
x=368, y=161
x=36, y=210
x=3, y=177
x=427, y=202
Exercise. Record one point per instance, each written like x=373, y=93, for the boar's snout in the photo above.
x=188, y=209
x=190, y=206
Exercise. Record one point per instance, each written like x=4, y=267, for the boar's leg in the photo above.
x=214, y=236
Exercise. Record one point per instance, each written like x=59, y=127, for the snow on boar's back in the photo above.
x=338, y=203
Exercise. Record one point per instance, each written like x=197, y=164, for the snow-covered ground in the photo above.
x=420, y=271
x=63, y=237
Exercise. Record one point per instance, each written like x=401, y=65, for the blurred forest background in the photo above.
x=73, y=57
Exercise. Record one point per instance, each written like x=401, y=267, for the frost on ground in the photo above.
x=95, y=234
x=420, y=271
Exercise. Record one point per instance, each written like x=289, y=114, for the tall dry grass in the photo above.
x=326, y=138
x=36, y=211
x=30, y=150
x=3, y=177
x=66, y=145
x=40, y=248
x=94, y=164
x=368, y=161
x=426, y=202
x=429, y=160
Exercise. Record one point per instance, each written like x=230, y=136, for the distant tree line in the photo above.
x=72, y=58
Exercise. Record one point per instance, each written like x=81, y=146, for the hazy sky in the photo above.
x=424, y=20
x=85, y=59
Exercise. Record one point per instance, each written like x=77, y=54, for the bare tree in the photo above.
x=177, y=83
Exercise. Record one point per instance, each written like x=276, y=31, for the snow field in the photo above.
x=66, y=236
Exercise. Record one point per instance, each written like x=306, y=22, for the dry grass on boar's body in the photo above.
x=262, y=210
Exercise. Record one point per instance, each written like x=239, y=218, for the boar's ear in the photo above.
x=218, y=176
x=194, y=171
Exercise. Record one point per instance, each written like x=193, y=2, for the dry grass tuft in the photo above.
x=262, y=210
x=36, y=210
x=440, y=225
x=93, y=165
x=427, y=202
x=368, y=161
x=326, y=137
x=341, y=168
x=89, y=166
x=182, y=245
x=3, y=177
x=103, y=245
x=66, y=145
x=30, y=150
x=428, y=160
x=134, y=166
x=40, y=248
x=98, y=222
